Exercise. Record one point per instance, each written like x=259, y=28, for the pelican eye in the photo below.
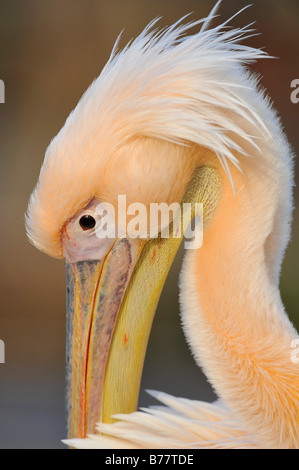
x=87, y=222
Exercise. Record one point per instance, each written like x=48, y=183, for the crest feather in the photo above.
x=164, y=84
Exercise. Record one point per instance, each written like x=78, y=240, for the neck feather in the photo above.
x=233, y=316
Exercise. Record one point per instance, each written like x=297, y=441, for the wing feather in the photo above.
x=179, y=424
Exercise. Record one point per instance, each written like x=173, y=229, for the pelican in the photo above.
x=174, y=117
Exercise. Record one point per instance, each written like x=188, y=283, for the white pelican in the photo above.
x=175, y=117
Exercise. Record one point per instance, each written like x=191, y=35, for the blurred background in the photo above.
x=50, y=51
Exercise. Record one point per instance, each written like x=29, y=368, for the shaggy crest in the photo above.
x=170, y=92
x=164, y=84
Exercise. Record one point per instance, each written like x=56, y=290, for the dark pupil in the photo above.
x=87, y=222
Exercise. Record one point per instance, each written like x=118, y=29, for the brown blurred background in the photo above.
x=50, y=51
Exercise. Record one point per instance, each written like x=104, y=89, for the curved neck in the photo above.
x=233, y=315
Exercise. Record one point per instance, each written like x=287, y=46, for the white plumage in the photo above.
x=165, y=85
x=194, y=91
x=180, y=424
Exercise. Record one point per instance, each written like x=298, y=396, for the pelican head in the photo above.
x=173, y=118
